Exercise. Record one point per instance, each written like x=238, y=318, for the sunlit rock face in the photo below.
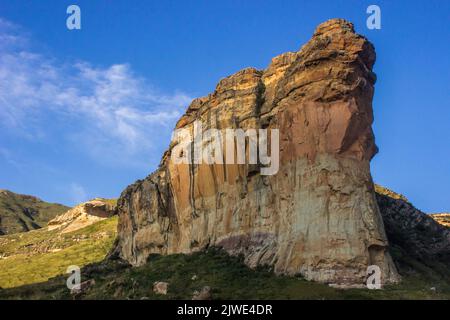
x=442, y=219
x=82, y=215
x=317, y=216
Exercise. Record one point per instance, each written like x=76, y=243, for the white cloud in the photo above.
x=78, y=193
x=114, y=114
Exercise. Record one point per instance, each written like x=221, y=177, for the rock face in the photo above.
x=82, y=216
x=317, y=216
x=442, y=218
x=414, y=234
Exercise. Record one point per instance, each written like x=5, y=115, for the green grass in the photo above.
x=228, y=277
x=20, y=213
x=45, y=254
x=39, y=272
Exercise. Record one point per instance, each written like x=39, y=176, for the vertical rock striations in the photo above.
x=317, y=216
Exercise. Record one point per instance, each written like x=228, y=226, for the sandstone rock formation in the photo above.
x=442, y=218
x=82, y=215
x=317, y=216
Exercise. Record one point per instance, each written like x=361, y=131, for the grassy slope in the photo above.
x=45, y=254
x=228, y=276
x=19, y=213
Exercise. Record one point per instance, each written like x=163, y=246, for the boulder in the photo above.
x=204, y=294
x=160, y=287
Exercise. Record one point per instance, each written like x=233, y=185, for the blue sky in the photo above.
x=84, y=113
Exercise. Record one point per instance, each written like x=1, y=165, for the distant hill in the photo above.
x=20, y=213
x=418, y=243
x=38, y=255
x=442, y=218
x=79, y=236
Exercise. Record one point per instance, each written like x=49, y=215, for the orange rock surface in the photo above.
x=317, y=216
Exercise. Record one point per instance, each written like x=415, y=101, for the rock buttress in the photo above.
x=318, y=215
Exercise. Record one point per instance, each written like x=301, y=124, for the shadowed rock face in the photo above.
x=317, y=216
x=414, y=234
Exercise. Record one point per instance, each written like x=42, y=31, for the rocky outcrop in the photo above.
x=317, y=216
x=83, y=215
x=204, y=294
x=160, y=287
x=442, y=218
x=415, y=237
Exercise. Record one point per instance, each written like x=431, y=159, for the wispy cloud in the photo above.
x=112, y=113
x=7, y=156
x=78, y=193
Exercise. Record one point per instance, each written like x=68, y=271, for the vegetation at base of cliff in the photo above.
x=38, y=255
x=28, y=261
x=228, y=277
x=19, y=213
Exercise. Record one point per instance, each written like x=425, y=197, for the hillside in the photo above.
x=418, y=247
x=228, y=277
x=21, y=213
x=442, y=218
x=38, y=255
x=83, y=215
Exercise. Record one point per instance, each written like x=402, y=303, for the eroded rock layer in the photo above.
x=317, y=216
x=442, y=218
x=83, y=215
